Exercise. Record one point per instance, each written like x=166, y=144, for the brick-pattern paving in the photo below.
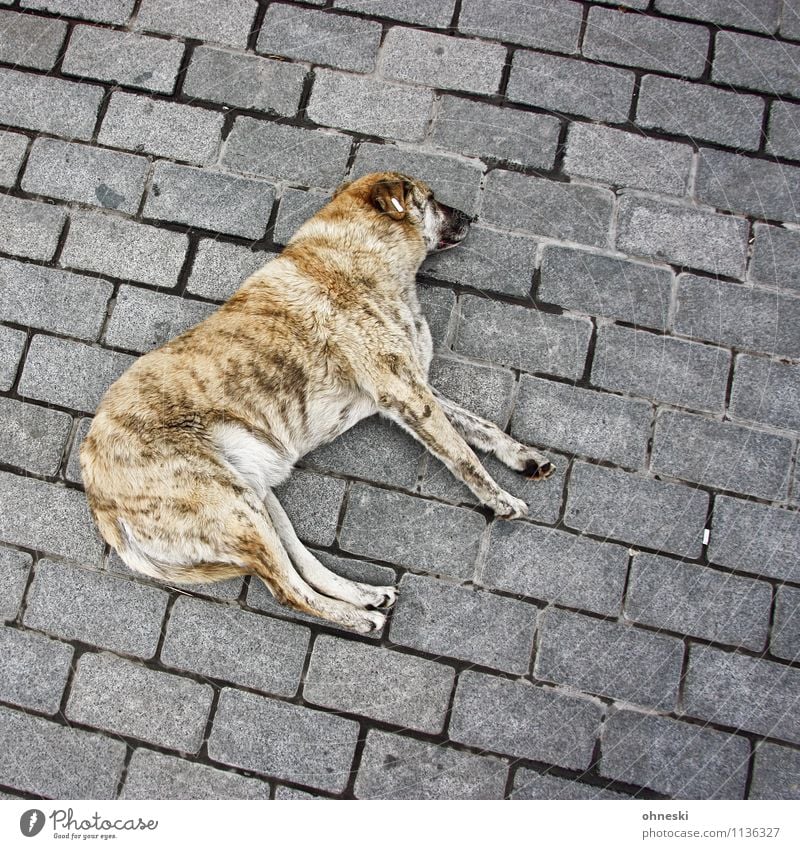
x=627, y=300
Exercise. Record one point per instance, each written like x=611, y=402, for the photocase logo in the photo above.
x=31, y=822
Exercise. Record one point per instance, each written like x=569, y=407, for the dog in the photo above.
x=185, y=448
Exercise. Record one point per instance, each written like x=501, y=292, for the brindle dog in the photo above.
x=186, y=446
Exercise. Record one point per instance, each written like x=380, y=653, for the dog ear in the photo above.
x=389, y=196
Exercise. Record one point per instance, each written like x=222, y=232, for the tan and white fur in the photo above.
x=185, y=449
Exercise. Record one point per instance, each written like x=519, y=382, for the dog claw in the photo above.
x=388, y=600
x=538, y=471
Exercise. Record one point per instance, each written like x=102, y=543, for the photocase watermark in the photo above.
x=65, y=825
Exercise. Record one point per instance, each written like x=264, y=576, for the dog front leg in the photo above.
x=415, y=408
x=487, y=436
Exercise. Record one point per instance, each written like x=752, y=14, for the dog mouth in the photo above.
x=455, y=229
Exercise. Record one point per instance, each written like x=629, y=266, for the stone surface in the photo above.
x=12, y=343
x=412, y=11
x=33, y=669
x=609, y=659
x=477, y=627
x=747, y=61
x=485, y=391
x=13, y=147
x=783, y=121
x=283, y=740
x=219, y=268
x=552, y=25
x=219, y=641
x=379, y=683
x=14, y=570
x=128, y=699
x=151, y=775
x=30, y=42
x=555, y=567
x=766, y=391
x=81, y=604
x=776, y=256
x=698, y=601
x=580, y=421
x=785, y=639
x=721, y=454
x=394, y=767
x=313, y=503
x=102, y=11
x=32, y=438
x=776, y=773
x=755, y=15
x=537, y=785
x=28, y=228
x=202, y=19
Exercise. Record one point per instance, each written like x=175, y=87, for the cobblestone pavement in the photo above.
x=629, y=300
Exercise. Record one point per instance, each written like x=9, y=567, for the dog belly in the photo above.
x=260, y=465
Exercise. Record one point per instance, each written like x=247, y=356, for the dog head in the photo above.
x=411, y=205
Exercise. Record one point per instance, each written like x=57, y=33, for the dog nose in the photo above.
x=460, y=220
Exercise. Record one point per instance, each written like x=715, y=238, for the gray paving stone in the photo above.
x=286, y=741
x=568, y=85
x=95, y=762
x=441, y=61
x=698, y=601
x=102, y=11
x=15, y=567
x=646, y=42
x=626, y=159
x=755, y=187
x=756, y=15
x=766, y=391
x=508, y=135
x=369, y=106
x=260, y=598
x=28, y=228
x=237, y=206
x=47, y=517
x=722, y=455
x=566, y=211
x=737, y=316
x=437, y=307
x=125, y=698
x=483, y=390
x=609, y=659
x=320, y=37
x=85, y=174
x=33, y=669
x=125, y=249
x=522, y=720
x=123, y=58
x=477, y=627
x=32, y=438
x=135, y=122
x=51, y=299
x=552, y=25
x=394, y=767
x=700, y=112
x=12, y=343
x=222, y=641
x=422, y=535
x=536, y=785
x=374, y=450
x=642, y=511
x=580, y=421
x=69, y=374
x=784, y=119
x=522, y=338
x=80, y=604
x=661, y=367
x=776, y=773
x=742, y=692
x=488, y=260
x=681, y=760
x=775, y=256
x=151, y=775
x=73, y=470
x=378, y=683
x=205, y=20
x=49, y=105
x=307, y=157
x=295, y=208
x=237, y=79
x=283, y=793
x=755, y=538
x=219, y=268
x=765, y=64
x=455, y=182
x=412, y=11
x=30, y=42
x=606, y=286
x=790, y=21
x=682, y=235
x=143, y=320
x=312, y=502
x=785, y=638
x=556, y=567
x=13, y=147
x=628, y=4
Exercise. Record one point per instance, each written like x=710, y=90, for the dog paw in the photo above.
x=379, y=598
x=368, y=621
x=536, y=470
x=506, y=506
